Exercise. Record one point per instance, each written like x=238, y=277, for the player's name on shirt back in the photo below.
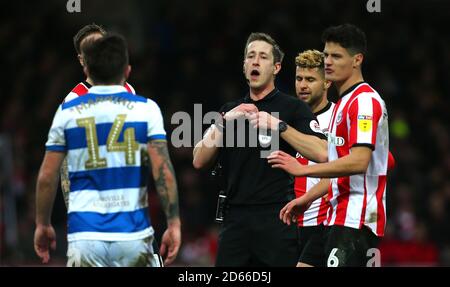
x=89, y=101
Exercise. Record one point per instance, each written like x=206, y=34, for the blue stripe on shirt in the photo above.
x=108, y=178
x=124, y=222
x=55, y=148
x=117, y=97
x=76, y=137
x=157, y=137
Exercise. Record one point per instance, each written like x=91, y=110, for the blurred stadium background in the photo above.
x=186, y=52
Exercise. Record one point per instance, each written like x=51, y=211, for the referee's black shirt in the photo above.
x=250, y=180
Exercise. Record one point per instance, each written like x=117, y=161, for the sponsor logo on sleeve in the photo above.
x=364, y=123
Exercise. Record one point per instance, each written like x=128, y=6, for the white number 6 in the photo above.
x=333, y=261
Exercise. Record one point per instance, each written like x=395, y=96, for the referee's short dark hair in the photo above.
x=278, y=55
x=348, y=36
x=85, y=32
x=106, y=59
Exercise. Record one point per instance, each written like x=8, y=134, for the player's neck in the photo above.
x=259, y=94
x=322, y=104
x=89, y=81
x=352, y=80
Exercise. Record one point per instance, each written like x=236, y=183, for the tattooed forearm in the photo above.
x=65, y=182
x=164, y=175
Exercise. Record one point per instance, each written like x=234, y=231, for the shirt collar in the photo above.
x=114, y=89
x=87, y=84
x=350, y=89
x=323, y=110
x=269, y=96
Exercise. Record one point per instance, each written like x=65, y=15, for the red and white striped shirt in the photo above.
x=317, y=212
x=83, y=87
x=359, y=118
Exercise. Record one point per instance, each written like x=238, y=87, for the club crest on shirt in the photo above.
x=339, y=118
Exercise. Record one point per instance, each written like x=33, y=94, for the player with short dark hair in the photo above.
x=85, y=32
x=101, y=61
x=106, y=135
x=88, y=33
x=358, y=146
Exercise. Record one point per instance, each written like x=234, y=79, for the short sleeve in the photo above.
x=364, y=113
x=56, y=140
x=155, y=124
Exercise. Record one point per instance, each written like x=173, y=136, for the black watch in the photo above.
x=282, y=126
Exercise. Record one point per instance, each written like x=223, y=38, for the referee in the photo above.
x=251, y=233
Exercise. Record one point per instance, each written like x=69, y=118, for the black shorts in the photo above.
x=311, y=240
x=255, y=236
x=347, y=246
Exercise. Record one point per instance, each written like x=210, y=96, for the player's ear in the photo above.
x=127, y=71
x=81, y=60
x=327, y=84
x=357, y=60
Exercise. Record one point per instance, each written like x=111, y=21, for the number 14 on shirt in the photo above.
x=129, y=144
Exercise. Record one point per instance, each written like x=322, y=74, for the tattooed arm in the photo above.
x=166, y=186
x=65, y=182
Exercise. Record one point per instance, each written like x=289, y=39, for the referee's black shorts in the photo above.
x=311, y=240
x=254, y=235
x=349, y=247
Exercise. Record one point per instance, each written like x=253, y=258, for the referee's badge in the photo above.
x=264, y=139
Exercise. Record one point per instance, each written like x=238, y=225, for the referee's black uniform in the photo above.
x=252, y=233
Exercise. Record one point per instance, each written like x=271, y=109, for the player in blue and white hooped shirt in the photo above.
x=86, y=34
x=104, y=135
